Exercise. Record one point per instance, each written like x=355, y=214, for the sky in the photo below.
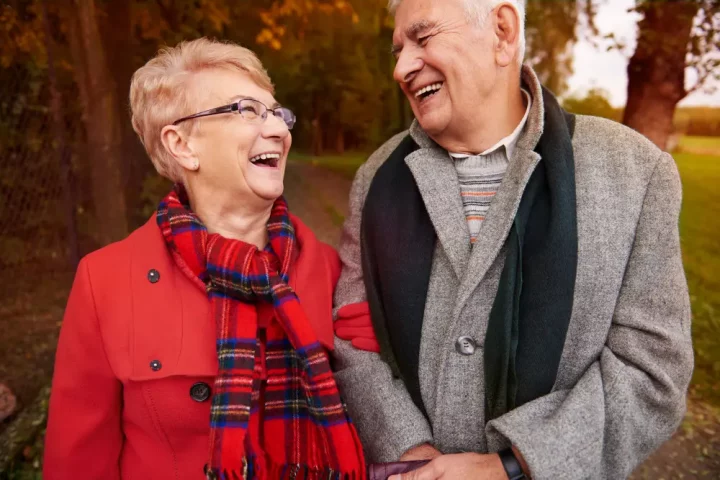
x=596, y=67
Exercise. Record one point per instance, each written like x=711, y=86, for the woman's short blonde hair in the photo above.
x=159, y=90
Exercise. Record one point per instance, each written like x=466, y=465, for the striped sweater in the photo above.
x=480, y=175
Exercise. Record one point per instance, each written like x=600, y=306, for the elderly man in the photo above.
x=521, y=267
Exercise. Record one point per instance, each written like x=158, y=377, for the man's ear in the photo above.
x=177, y=145
x=507, y=34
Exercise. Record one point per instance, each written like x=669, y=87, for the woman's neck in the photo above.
x=232, y=218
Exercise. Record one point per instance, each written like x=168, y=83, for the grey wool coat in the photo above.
x=627, y=360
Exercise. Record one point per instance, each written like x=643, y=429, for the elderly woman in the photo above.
x=197, y=345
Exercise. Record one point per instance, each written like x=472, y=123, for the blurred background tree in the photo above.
x=674, y=37
x=552, y=28
x=330, y=62
x=595, y=103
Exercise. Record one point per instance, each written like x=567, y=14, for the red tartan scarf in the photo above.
x=276, y=410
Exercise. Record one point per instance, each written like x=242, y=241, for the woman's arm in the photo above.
x=84, y=435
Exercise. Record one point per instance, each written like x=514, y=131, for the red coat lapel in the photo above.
x=170, y=316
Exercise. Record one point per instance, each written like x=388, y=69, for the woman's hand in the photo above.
x=353, y=324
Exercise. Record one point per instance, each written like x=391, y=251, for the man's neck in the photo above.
x=230, y=217
x=482, y=131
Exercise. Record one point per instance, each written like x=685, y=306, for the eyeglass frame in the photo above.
x=235, y=107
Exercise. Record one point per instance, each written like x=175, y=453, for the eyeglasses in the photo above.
x=251, y=110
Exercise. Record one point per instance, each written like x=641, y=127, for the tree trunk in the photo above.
x=102, y=123
x=117, y=33
x=317, y=128
x=656, y=71
x=62, y=150
x=340, y=140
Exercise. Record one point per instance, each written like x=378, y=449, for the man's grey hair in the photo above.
x=478, y=12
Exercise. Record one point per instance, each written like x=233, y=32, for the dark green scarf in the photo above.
x=531, y=311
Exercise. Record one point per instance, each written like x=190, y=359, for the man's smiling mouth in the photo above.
x=428, y=91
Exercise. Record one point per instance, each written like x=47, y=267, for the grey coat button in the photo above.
x=153, y=276
x=465, y=345
x=200, y=392
x=155, y=365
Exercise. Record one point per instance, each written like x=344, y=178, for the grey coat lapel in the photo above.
x=437, y=181
x=497, y=223
x=498, y=220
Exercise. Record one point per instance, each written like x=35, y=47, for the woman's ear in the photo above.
x=507, y=33
x=177, y=145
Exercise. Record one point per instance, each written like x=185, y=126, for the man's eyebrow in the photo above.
x=415, y=29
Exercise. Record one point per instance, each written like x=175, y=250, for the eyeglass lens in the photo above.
x=253, y=110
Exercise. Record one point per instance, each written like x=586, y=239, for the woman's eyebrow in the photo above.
x=235, y=98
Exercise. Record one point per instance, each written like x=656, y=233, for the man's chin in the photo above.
x=431, y=124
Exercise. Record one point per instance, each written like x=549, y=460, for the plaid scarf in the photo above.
x=276, y=410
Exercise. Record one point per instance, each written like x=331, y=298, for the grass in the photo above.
x=700, y=238
x=700, y=145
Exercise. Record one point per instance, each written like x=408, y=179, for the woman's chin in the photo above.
x=269, y=192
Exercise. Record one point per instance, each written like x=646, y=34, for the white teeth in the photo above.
x=429, y=88
x=264, y=156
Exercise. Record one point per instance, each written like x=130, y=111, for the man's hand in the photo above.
x=458, y=466
x=421, y=452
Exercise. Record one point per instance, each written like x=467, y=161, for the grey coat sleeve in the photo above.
x=633, y=397
x=387, y=420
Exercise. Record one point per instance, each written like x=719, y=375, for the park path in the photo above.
x=319, y=197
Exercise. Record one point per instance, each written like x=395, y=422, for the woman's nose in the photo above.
x=275, y=127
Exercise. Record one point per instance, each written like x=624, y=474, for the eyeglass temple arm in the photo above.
x=213, y=111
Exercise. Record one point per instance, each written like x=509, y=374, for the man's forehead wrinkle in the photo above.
x=418, y=26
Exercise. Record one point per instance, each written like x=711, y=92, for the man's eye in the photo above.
x=423, y=40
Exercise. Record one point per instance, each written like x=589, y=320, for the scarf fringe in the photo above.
x=282, y=472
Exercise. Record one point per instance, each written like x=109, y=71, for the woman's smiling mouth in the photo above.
x=270, y=160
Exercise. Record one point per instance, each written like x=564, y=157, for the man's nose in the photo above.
x=407, y=67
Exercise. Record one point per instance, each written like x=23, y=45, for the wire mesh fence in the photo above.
x=41, y=143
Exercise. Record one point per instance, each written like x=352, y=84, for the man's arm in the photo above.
x=633, y=398
x=388, y=421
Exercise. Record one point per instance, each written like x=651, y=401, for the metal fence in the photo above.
x=41, y=145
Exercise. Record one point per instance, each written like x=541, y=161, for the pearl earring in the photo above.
x=196, y=165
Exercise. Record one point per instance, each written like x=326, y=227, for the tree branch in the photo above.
x=167, y=14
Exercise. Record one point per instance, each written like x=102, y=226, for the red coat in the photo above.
x=132, y=345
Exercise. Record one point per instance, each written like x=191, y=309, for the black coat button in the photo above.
x=200, y=392
x=155, y=365
x=153, y=276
